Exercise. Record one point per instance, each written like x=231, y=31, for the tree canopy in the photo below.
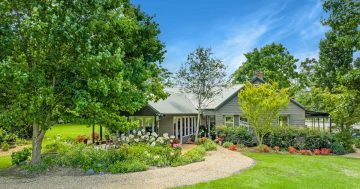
x=261, y=105
x=274, y=60
x=73, y=57
x=202, y=75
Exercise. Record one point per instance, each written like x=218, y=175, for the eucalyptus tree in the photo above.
x=202, y=75
x=61, y=58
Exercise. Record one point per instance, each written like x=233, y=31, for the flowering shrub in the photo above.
x=209, y=145
x=233, y=147
x=151, y=139
x=292, y=150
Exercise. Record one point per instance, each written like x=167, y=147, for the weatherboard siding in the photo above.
x=231, y=107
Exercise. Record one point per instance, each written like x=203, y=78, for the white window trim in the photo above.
x=233, y=117
x=288, y=119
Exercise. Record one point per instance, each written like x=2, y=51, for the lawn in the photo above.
x=293, y=171
x=64, y=131
x=5, y=162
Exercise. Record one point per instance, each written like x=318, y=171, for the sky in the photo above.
x=234, y=27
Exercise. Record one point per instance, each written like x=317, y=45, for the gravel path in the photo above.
x=217, y=164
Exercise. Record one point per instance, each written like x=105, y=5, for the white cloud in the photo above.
x=232, y=49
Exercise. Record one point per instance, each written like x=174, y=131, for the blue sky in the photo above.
x=234, y=27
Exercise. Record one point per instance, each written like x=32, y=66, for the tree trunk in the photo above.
x=37, y=138
x=197, y=128
x=259, y=139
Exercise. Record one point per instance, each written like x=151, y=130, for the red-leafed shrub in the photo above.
x=292, y=150
x=233, y=147
x=325, y=151
x=96, y=136
x=277, y=148
x=264, y=148
x=82, y=138
x=303, y=152
x=306, y=152
x=317, y=152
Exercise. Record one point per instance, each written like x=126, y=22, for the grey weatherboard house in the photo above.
x=177, y=114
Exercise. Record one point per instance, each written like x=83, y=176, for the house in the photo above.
x=177, y=114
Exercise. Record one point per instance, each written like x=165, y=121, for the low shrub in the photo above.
x=209, y=145
x=263, y=148
x=325, y=151
x=317, y=152
x=127, y=166
x=202, y=140
x=194, y=155
x=305, y=152
x=19, y=157
x=233, y=147
x=292, y=150
x=82, y=138
x=236, y=135
x=276, y=148
x=338, y=148
x=227, y=144
x=300, y=138
x=357, y=142
x=5, y=146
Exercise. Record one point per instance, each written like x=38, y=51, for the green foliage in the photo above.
x=357, y=142
x=128, y=166
x=261, y=104
x=236, y=135
x=274, y=60
x=338, y=148
x=19, y=157
x=5, y=146
x=301, y=138
x=227, y=144
x=201, y=75
x=344, y=138
x=209, y=145
x=194, y=155
x=54, y=65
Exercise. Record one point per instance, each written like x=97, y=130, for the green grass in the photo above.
x=69, y=131
x=64, y=131
x=5, y=162
x=293, y=172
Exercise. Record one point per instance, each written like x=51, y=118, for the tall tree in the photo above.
x=202, y=75
x=274, y=60
x=70, y=57
x=261, y=105
x=340, y=44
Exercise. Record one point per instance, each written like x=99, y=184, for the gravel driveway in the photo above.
x=217, y=164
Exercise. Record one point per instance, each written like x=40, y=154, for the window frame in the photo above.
x=287, y=120
x=233, y=120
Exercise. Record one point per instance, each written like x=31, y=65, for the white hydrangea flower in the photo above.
x=152, y=144
x=139, y=133
x=131, y=136
x=154, y=134
x=172, y=137
x=136, y=140
x=143, y=130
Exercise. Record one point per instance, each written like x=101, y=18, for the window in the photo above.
x=229, y=120
x=284, y=120
x=145, y=122
x=243, y=121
